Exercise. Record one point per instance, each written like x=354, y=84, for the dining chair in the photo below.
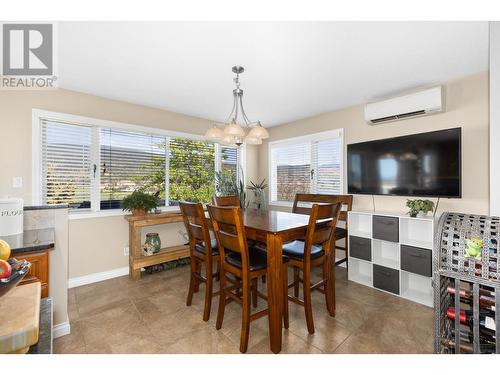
x=241, y=266
x=301, y=205
x=230, y=200
x=317, y=249
x=199, y=240
x=234, y=201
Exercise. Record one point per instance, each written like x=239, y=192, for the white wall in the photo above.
x=495, y=118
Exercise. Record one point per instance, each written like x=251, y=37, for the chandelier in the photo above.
x=231, y=132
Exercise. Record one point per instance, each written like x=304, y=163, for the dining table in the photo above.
x=274, y=228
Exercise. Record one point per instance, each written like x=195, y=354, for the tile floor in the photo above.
x=151, y=316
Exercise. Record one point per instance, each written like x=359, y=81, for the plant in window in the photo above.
x=258, y=192
x=139, y=203
x=419, y=207
x=226, y=183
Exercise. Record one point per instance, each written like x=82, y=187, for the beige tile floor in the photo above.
x=151, y=316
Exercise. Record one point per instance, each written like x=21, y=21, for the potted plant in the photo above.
x=258, y=192
x=139, y=203
x=226, y=183
x=419, y=207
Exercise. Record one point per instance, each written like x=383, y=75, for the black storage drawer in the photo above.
x=385, y=228
x=416, y=260
x=386, y=278
x=360, y=247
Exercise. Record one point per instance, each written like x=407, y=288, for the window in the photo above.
x=89, y=164
x=311, y=164
x=129, y=161
x=66, y=162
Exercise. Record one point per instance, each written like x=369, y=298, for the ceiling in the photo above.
x=293, y=70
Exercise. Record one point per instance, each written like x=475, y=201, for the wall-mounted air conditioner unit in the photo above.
x=419, y=103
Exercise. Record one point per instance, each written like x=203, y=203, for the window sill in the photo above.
x=75, y=215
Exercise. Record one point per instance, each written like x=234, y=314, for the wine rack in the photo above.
x=467, y=290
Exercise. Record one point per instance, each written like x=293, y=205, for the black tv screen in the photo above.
x=424, y=165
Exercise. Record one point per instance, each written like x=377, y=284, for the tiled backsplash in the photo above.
x=39, y=219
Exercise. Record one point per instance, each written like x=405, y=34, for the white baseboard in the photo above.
x=96, y=277
x=61, y=329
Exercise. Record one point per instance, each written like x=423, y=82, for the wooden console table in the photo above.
x=167, y=254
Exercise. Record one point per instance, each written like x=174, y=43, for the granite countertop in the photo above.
x=31, y=240
x=44, y=345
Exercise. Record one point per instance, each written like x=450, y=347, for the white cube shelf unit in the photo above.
x=393, y=253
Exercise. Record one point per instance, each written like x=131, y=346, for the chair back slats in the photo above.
x=195, y=222
x=229, y=230
x=320, y=231
x=230, y=200
x=303, y=203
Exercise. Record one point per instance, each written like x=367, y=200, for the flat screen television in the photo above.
x=424, y=165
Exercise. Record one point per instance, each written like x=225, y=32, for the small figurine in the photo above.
x=474, y=247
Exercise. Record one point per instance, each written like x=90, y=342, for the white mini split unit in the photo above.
x=421, y=103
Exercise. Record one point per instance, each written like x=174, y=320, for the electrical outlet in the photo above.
x=17, y=182
x=125, y=251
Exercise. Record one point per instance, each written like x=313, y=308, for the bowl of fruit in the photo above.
x=12, y=271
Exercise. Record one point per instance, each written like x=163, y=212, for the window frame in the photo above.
x=38, y=115
x=311, y=138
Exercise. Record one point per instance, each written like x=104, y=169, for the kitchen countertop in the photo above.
x=31, y=240
x=44, y=345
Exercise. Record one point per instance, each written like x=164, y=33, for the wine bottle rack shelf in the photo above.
x=463, y=324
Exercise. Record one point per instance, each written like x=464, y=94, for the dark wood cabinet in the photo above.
x=39, y=270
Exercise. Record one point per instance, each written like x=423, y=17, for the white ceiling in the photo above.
x=293, y=70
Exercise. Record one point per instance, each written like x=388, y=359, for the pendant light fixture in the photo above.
x=233, y=133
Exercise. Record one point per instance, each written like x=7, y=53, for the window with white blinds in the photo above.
x=230, y=159
x=66, y=164
x=94, y=167
x=311, y=164
x=130, y=161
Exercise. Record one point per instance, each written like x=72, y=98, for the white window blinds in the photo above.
x=230, y=159
x=313, y=165
x=130, y=161
x=94, y=167
x=66, y=164
x=327, y=172
x=291, y=170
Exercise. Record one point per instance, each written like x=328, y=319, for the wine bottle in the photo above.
x=468, y=348
x=469, y=338
x=485, y=299
x=486, y=321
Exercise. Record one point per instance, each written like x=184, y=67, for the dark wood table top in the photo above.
x=273, y=221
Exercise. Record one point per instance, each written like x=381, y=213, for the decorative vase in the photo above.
x=260, y=199
x=153, y=243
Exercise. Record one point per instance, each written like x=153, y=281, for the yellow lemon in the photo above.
x=4, y=250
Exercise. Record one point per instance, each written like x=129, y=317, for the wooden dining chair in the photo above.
x=240, y=269
x=301, y=205
x=230, y=200
x=317, y=249
x=199, y=240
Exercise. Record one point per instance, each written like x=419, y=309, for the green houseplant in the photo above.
x=139, y=203
x=419, y=207
x=226, y=184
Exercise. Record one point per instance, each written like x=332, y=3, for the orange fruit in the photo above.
x=4, y=250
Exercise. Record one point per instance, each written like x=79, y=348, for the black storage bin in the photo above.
x=385, y=228
x=360, y=247
x=416, y=260
x=386, y=278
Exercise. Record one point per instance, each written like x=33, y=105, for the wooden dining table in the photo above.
x=274, y=228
